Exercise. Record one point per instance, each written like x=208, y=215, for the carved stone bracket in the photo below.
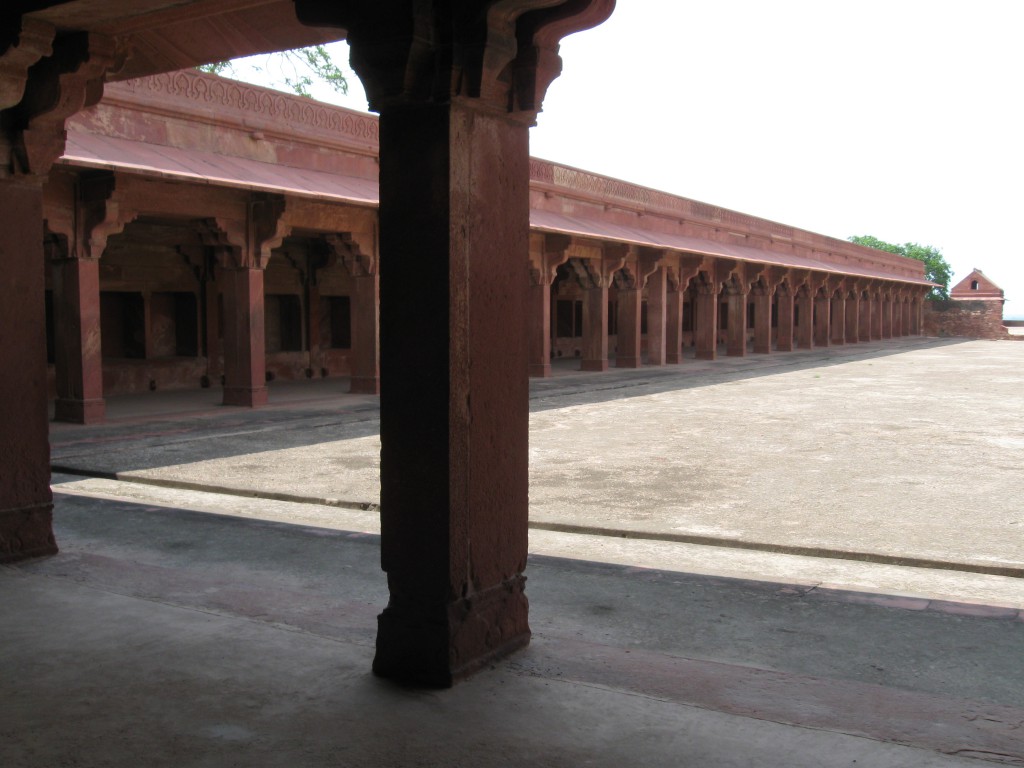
x=57, y=87
x=357, y=258
x=100, y=211
x=650, y=261
x=27, y=45
x=689, y=267
x=248, y=244
x=501, y=53
x=554, y=252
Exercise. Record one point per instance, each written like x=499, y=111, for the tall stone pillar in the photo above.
x=547, y=253
x=657, y=313
x=77, y=344
x=455, y=102
x=784, y=336
x=705, y=318
x=876, y=315
x=245, y=357
x=34, y=103
x=595, y=327
x=762, y=320
x=679, y=281
x=627, y=353
x=852, y=317
x=736, y=333
x=837, y=318
x=864, y=316
x=905, y=327
x=805, y=309
x=822, y=310
x=360, y=262
x=365, y=377
x=886, y=316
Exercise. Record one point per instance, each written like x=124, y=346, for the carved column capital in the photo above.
x=99, y=210
x=552, y=252
x=248, y=244
x=57, y=86
x=502, y=54
x=26, y=45
x=357, y=257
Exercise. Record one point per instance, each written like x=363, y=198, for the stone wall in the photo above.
x=970, y=319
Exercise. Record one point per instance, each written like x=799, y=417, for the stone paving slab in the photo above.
x=908, y=451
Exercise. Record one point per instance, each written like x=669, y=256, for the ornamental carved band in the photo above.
x=502, y=53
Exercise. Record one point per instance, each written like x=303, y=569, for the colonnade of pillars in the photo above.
x=777, y=308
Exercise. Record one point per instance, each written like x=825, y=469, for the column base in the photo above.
x=594, y=365
x=244, y=397
x=80, y=411
x=26, y=532
x=783, y=347
x=706, y=354
x=673, y=359
x=762, y=350
x=736, y=352
x=628, y=362
x=364, y=385
x=540, y=370
x=437, y=646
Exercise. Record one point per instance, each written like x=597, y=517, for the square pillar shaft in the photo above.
x=454, y=224
x=886, y=318
x=838, y=320
x=245, y=352
x=876, y=318
x=595, y=329
x=852, y=316
x=705, y=316
x=627, y=353
x=784, y=338
x=805, y=330
x=906, y=326
x=737, y=332
x=77, y=341
x=365, y=335
x=26, y=504
x=864, y=319
x=822, y=310
x=539, y=329
x=673, y=327
x=763, y=323
x=657, y=296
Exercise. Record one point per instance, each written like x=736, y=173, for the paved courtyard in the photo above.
x=897, y=453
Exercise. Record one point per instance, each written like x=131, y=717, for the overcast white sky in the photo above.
x=901, y=119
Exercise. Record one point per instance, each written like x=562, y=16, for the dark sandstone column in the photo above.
x=838, y=319
x=657, y=297
x=705, y=318
x=457, y=86
x=736, y=345
x=876, y=316
x=674, y=326
x=822, y=310
x=365, y=335
x=627, y=354
x=595, y=328
x=805, y=330
x=244, y=344
x=886, y=316
x=784, y=339
x=25, y=499
x=35, y=101
x=78, y=354
x=906, y=327
x=864, y=331
x=762, y=321
x=852, y=315
x=539, y=325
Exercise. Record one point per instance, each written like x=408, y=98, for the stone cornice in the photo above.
x=199, y=96
x=563, y=180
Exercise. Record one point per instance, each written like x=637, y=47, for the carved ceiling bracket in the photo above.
x=100, y=211
x=554, y=253
x=28, y=44
x=57, y=86
x=501, y=53
x=344, y=247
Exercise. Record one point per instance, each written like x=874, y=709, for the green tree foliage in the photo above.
x=936, y=268
x=297, y=69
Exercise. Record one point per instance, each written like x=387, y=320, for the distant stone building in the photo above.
x=974, y=310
